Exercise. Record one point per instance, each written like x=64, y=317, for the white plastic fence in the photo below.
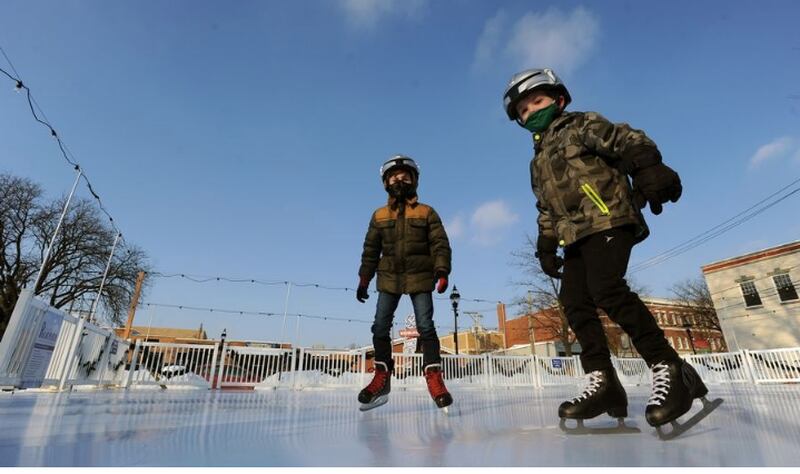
x=631, y=371
x=164, y=364
x=56, y=368
x=721, y=368
x=20, y=353
x=774, y=365
x=35, y=346
x=329, y=369
x=511, y=371
x=558, y=371
x=260, y=367
x=407, y=371
x=465, y=370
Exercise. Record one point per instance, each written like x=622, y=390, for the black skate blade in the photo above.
x=582, y=429
x=381, y=400
x=680, y=428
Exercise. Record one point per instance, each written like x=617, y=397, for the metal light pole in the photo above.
x=455, y=297
x=688, y=327
x=76, y=338
x=58, y=228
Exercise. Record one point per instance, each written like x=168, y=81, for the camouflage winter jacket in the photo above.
x=578, y=180
x=407, y=245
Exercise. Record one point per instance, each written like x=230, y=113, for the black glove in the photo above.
x=362, y=294
x=656, y=184
x=546, y=253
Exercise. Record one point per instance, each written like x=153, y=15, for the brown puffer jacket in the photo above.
x=407, y=245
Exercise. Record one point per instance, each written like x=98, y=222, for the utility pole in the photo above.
x=134, y=303
x=531, y=329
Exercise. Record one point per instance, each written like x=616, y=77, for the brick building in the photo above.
x=676, y=321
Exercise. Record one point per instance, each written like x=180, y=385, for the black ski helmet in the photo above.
x=525, y=82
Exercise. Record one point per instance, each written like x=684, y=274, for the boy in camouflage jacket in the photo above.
x=588, y=207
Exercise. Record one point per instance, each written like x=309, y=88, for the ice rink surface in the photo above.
x=755, y=426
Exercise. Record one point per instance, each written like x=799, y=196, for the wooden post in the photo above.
x=134, y=302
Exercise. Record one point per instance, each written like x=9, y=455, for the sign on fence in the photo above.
x=42, y=351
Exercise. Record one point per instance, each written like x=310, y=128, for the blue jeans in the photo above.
x=423, y=313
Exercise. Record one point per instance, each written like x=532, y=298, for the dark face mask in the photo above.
x=401, y=190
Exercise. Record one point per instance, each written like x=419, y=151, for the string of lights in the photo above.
x=65, y=152
x=257, y=281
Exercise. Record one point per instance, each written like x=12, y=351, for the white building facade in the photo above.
x=756, y=297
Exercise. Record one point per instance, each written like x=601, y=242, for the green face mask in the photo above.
x=541, y=119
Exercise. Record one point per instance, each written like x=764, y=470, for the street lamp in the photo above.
x=455, y=297
x=688, y=327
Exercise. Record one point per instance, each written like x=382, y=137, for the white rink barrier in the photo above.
x=631, y=372
x=36, y=344
x=465, y=370
x=774, y=365
x=558, y=371
x=261, y=367
x=407, y=371
x=728, y=367
x=35, y=348
x=511, y=371
x=155, y=364
x=329, y=369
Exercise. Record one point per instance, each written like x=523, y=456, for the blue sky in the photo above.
x=244, y=139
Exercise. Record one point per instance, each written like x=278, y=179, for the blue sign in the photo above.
x=556, y=363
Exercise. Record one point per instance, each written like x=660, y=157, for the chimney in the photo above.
x=501, y=323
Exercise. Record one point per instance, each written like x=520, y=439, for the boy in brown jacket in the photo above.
x=407, y=246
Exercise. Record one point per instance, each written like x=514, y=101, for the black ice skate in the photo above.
x=603, y=394
x=377, y=392
x=439, y=393
x=675, y=385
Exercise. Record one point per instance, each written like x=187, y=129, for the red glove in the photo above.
x=441, y=284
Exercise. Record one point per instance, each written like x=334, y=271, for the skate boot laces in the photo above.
x=660, y=384
x=591, y=387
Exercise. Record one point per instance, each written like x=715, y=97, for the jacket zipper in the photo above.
x=595, y=198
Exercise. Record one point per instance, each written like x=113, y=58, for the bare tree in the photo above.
x=694, y=295
x=541, y=302
x=71, y=275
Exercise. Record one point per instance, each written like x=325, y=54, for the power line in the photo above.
x=717, y=230
x=754, y=279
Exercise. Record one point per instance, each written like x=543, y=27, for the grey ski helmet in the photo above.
x=400, y=162
x=525, y=82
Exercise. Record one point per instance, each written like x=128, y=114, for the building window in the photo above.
x=750, y=293
x=671, y=342
x=680, y=343
x=786, y=290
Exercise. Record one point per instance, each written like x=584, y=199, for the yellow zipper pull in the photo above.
x=595, y=198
